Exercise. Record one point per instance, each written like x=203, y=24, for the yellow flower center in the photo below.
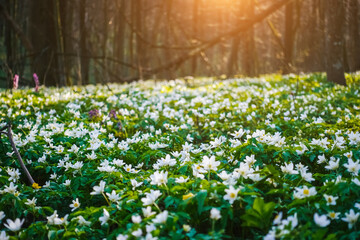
x=76, y=205
x=329, y=200
x=232, y=195
x=332, y=215
x=306, y=192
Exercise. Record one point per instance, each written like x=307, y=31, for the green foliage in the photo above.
x=275, y=157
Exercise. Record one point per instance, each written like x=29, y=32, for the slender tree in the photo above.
x=43, y=35
x=83, y=48
x=335, y=41
x=289, y=37
x=354, y=33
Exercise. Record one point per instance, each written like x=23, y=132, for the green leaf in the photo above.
x=51, y=234
x=200, y=198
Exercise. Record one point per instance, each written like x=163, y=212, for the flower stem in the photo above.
x=157, y=206
x=106, y=198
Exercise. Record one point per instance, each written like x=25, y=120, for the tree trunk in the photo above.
x=249, y=54
x=9, y=48
x=354, y=33
x=84, y=61
x=119, y=40
x=105, y=75
x=289, y=37
x=334, y=41
x=60, y=44
x=195, y=32
x=44, y=40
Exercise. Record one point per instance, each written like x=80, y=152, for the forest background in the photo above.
x=78, y=42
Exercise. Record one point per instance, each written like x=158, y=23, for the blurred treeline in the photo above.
x=69, y=42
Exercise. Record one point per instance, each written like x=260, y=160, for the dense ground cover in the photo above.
x=195, y=159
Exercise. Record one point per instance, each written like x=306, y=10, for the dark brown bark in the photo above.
x=119, y=41
x=43, y=37
x=84, y=62
x=289, y=37
x=354, y=32
x=335, y=41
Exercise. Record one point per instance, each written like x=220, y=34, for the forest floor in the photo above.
x=270, y=157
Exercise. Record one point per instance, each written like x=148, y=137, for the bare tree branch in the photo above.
x=10, y=136
x=243, y=26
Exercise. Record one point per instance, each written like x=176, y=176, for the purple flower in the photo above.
x=36, y=79
x=112, y=114
x=119, y=126
x=16, y=81
x=94, y=113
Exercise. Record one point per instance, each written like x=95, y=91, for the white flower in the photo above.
x=333, y=215
x=60, y=221
x=333, y=164
x=238, y=134
x=2, y=215
x=209, y=163
x=75, y=204
x=357, y=205
x=3, y=236
x=321, y=221
x=151, y=197
x=224, y=175
x=289, y=168
x=31, y=203
x=51, y=219
x=47, y=184
x=105, y=217
x=161, y=217
x=291, y=220
x=82, y=221
x=67, y=182
x=351, y=218
x=186, y=228
x=159, y=178
x=99, y=189
x=353, y=167
x=135, y=184
x=150, y=227
x=121, y=237
x=14, y=174
x=304, y=192
x=231, y=194
x=250, y=160
x=137, y=233
x=14, y=225
x=113, y=197
x=147, y=212
x=330, y=200
x=356, y=181
x=271, y=235
x=321, y=158
x=215, y=214
x=277, y=219
x=307, y=176
x=181, y=179
x=11, y=188
x=136, y=218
